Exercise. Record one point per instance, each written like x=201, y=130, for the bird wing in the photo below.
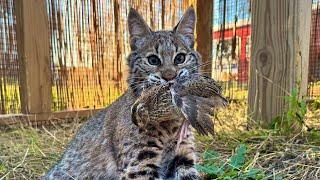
x=200, y=95
x=198, y=85
x=205, y=114
x=190, y=111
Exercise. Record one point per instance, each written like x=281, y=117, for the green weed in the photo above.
x=236, y=166
x=293, y=120
x=315, y=104
x=3, y=168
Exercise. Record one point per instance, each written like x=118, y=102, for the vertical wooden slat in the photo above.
x=116, y=10
x=280, y=47
x=163, y=6
x=151, y=14
x=302, y=52
x=34, y=55
x=204, y=11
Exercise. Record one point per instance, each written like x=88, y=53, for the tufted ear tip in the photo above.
x=138, y=28
x=186, y=26
x=190, y=11
x=133, y=13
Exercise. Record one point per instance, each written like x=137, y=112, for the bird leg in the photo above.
x=182, y=134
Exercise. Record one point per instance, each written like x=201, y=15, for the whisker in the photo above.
x=200, y=65
x=135, y=78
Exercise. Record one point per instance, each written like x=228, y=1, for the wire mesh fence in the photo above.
x=89, y=47
x=231, y=49
x=9, y=66
x=232, y=44
x=314, y=56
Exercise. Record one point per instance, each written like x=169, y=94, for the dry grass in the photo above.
x=27, y=153
x=279, y=157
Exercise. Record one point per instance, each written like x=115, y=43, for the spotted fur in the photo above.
x=159, y=122
x=110, y=146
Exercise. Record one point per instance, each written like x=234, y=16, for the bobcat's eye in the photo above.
x=180, y=58
x=154, y=60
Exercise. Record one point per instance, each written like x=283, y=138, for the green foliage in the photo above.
x=238, y=159
x=315, y=105
x=292, y=121
x=235, y=167
x=3, y=168
x=314, y=137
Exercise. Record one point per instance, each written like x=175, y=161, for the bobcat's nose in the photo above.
x=169, y=75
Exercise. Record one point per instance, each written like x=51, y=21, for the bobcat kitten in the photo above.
x=110, y=145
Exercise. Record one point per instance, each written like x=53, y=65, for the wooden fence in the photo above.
x=66, y=58
x=71, y=53
x=89, y=44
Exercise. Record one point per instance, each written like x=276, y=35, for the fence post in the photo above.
x=34, y=56
x=280, y=55
x=204, y=10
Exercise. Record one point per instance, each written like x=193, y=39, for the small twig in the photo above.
x=294, y=137
x=51, y=134
x=24, y=158
x=306, y=172
x=303, y=165
x=276, y=173
x=317, y=173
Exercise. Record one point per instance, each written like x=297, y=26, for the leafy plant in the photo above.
x=315, y=104
x=3, y=168
x=235, y=167
x=293, y=119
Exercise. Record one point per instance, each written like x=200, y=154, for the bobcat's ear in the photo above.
x=138, y=28
x=185, y=27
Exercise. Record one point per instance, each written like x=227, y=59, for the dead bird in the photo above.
x=189, y=99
